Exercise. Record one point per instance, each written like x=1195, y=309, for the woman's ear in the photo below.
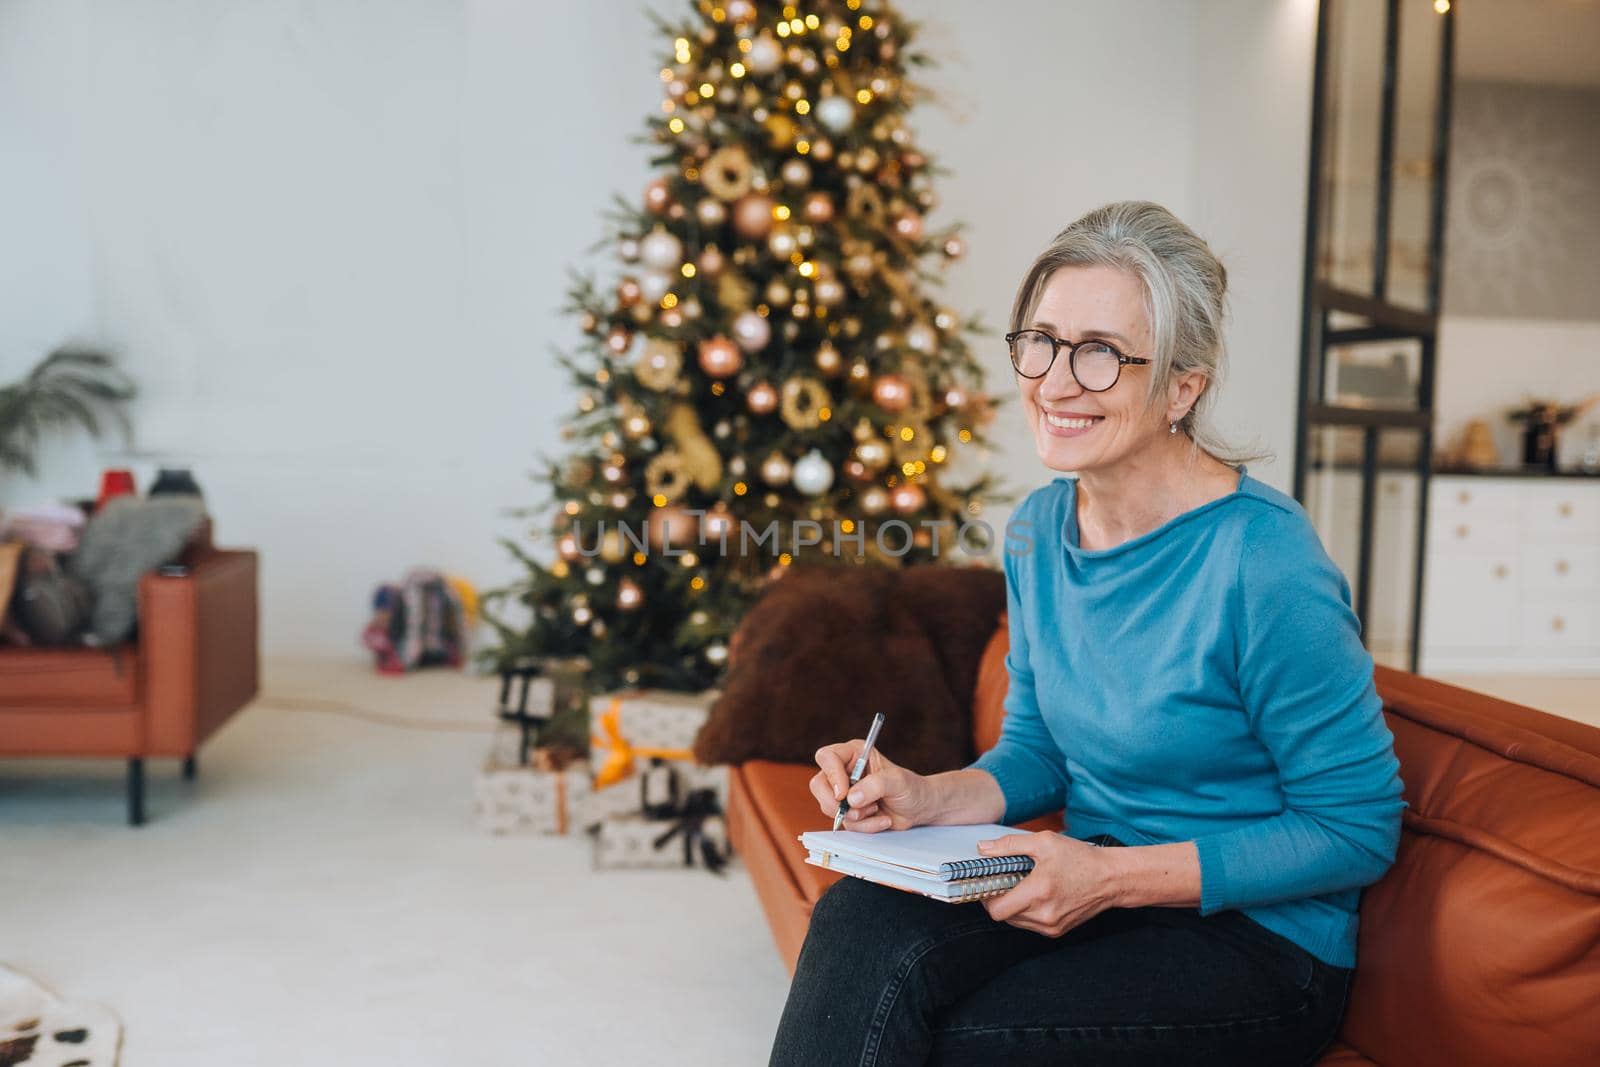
x=1184, y=393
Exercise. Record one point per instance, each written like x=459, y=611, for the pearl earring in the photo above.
x=1172, y=428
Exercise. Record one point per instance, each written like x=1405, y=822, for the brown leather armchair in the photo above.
x=1480, y=946
x=193, y=664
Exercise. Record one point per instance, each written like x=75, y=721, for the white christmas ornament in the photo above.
x=751, y=331
x=835, y=112
x=764, y=55
x=654, y=285
x=661, y=251
x=813, y=474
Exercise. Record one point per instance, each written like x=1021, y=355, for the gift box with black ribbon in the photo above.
x=691, y=832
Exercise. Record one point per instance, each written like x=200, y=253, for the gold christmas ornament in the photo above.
x=830, y=291
x=802, y=403
x=874, y=454
x=955, y=398
x=618, y=339
x=780, y=131
x=796, y=173
x=628, y=292
x=776, y=469
x=735, y=291
x=865, y=202
x=666, y=476
x=717, y=524
x=611, y=549
x=635, y=424
x=752, y=216
x=829, y=361
x=954, y=247
x=727, y=173
x=911, y=444
x=778, y=294
x=711, y=260
x=700, y=457
x=891, y=392
x=567, y=547
x=822, y=150
x=630, y=596
x=875, y=500
x=856, y=470
x=720, y=357
x=659, y=364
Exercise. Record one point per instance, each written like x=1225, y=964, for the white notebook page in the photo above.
x=921, y=848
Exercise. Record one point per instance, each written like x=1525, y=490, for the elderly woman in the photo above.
x=1187, y=681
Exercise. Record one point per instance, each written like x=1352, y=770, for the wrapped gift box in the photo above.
x=632, y=841
x=538, y=798
x=644, y=789
x=629, y=729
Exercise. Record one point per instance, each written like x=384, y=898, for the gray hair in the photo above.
x=1185, y=290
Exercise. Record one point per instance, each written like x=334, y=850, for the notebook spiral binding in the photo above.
x=990, y=886
x=985, y=865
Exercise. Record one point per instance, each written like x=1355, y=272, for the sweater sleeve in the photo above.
x=1026, y=762
x=1306, y=684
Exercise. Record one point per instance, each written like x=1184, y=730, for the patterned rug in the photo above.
x=38, y=1029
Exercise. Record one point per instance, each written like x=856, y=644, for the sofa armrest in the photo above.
x=198, y=642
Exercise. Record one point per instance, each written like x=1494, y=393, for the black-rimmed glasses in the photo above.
x=1096, y=364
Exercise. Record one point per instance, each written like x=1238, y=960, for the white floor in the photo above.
x=322, y=896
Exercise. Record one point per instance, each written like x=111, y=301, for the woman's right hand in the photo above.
x=892, y=798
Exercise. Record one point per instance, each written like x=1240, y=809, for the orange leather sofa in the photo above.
x=1480, y=946
x=193, y=663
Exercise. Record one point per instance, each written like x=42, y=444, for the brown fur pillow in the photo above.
x=826, y=647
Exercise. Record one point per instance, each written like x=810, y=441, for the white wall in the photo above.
x=331, y=240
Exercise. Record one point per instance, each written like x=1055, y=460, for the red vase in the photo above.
x=114, y=482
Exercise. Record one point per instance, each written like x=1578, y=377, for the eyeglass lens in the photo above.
x=1094, y=364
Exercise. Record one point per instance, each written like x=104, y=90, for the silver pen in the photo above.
x=860, y=768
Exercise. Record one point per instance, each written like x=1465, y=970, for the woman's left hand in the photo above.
x=1070, y=882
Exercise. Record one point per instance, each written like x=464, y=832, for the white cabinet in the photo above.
x=1513, y=576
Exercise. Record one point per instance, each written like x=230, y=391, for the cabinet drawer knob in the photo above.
x=1464, y=496
x=1501, y=570
x=1565, y=509
x=1558, y=624
x=1461, y=531
x=1562, y=566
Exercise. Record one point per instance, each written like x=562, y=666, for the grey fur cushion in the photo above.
x=126, y=538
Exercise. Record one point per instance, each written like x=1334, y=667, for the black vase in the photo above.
x=1539, y=442
x=175, y=481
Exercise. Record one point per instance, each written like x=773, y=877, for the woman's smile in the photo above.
x=1069, y=423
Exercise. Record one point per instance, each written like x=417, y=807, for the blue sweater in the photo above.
x=1203, y=682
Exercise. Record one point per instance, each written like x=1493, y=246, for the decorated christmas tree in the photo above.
x=767, y=378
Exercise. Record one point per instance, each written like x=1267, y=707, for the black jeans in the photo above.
x=889, y=977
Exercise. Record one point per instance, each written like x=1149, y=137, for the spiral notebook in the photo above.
x=941, y=862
